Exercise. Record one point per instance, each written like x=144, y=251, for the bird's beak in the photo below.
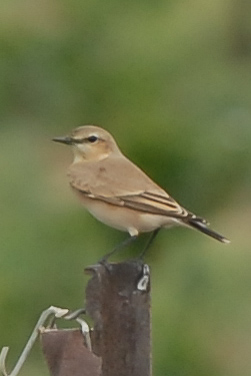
x=64, y=140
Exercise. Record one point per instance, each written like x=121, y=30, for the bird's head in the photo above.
x=90, y=142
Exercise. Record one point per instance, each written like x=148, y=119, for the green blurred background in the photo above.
x=171, y=80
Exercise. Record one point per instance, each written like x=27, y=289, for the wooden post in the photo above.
x=118, y=300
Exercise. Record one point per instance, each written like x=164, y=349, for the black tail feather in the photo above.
x=201, y=225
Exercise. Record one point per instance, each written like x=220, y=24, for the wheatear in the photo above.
x=120, y=194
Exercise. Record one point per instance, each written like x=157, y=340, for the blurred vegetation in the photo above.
x=171, y=81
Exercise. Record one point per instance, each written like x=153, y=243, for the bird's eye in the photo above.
x=92, y=139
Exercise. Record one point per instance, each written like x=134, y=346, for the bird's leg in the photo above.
x=124, y=244
x=148, y=244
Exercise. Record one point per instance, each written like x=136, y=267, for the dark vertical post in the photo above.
x=118, y=300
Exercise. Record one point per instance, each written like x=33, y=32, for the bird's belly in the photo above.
x=125, y=219
x=110, y=215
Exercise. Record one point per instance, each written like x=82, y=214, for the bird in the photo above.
x=118, y=193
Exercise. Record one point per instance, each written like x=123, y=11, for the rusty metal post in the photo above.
x=67, y=355
x=118, y=300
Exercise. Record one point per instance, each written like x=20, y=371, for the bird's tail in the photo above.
x=201, y=225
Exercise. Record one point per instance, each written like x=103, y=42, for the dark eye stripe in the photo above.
x=78, y=141
x=82, y=140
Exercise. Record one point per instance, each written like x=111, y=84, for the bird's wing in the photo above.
x=154, y=203
x=145, y=202
x=121, y=183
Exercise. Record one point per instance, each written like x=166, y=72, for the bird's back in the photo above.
x=111, y=177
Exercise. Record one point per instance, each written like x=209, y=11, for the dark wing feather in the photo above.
x=145, y=202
